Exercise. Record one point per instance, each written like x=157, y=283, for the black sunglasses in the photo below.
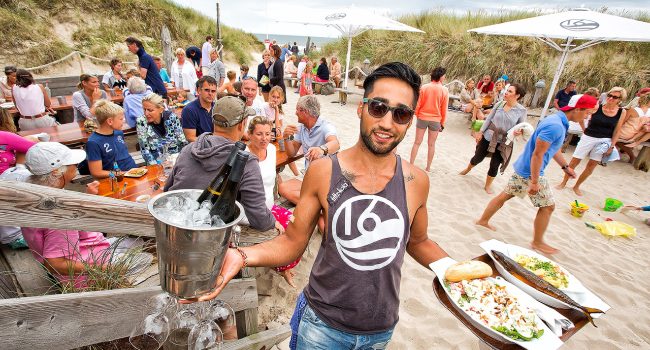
x=613, y=96
x=378, y=109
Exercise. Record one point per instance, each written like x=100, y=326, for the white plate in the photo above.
x=547, y=341
x=575, y=289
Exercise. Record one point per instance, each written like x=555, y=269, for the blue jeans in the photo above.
x=313, y=333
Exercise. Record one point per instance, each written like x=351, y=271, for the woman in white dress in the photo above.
x=183, y=73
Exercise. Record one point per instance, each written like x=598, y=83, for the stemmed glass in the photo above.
x=154, y=329
x=205, y=335
x=186, y=318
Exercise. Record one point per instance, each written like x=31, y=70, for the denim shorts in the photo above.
x=313, y=333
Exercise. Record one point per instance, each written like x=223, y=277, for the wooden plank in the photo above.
x=68, y=321
x=261, y=340
x=246, y=320
x=9, y=287
x=24, y=204
x=29, y=273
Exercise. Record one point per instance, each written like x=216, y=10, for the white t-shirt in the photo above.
x=185, y=75
x=267, y=168
x=205, y=54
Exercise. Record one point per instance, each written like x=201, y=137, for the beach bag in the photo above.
x=327, y=89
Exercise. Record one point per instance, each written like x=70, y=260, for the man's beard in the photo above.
x=380, y=151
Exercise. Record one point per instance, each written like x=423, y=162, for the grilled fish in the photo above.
x=522, y=274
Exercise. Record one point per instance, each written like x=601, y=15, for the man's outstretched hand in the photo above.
x=232, y=264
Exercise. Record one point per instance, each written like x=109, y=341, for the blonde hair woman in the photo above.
x=263, y=79
x=183, y=73
x=159, y=130
x=471, y=101
x=599, y=139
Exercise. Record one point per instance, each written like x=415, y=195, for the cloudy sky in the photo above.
x=254, y=15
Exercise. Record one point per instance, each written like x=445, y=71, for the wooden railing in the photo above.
x=66, y=321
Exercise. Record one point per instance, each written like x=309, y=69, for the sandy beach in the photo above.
x=615, y=269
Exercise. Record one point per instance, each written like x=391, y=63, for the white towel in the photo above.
x=526, y=129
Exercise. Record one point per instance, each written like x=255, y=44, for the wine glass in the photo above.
x=186, y=317
x=151, y=333
x=221, y=312
x=205, y=335
x=160, y=303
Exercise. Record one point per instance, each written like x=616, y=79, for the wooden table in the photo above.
x=282, y=158
x=144, y=185
x=578, y=319
x=70, y=134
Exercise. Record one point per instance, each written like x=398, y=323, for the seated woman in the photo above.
x=492, y=138
x=159, y=130
x=32, y=102
x=113, y=79
x=259, y=131
x=65, y=253
x=323, y=73
x=82, y=100
x=228, y=87
x=470, y=100
x=136, y=91
x=638, y=129
x=290, y=69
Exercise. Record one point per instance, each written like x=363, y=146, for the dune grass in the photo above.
x=525, y=60
x=101, y=24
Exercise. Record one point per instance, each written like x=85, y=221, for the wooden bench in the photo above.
x=65, y=321
x=343, y=94
x=291, y=82
x=317, y=86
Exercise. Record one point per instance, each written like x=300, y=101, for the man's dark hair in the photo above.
x=397, y=70
x=208, y=38
x=437, y=73
x=131, y=40
x=570, y=82
x=10, y=69
x=24, y=78
x=519, y=90
x=206, y=78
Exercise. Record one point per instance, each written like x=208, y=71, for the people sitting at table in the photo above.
x=259, y=131
x=133, y=95
x=249, y=90
x=335, y=71
x=106, y=148
x=196, y=117
x=636, y=126
x=199, y=161
x=183, y=73
x=82, y=100
x=323, y=73
x=315, y=136
x=228, y=86
x=13, y=148
x=163, y=71
x=64, y=253
x=7, y=84
x=159, y=130
x=113, y=78
x=32, y=102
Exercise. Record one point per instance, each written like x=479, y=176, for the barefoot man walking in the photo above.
x=528, y=178
x=375, y=205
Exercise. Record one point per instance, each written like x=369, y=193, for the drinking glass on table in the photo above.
x=165, y=164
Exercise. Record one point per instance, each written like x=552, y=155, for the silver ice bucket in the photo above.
x=190, y=259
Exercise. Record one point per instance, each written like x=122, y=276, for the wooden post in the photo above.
x=166, y=40
x=247, y=319
x=219, y=43
x=81, y=64
x=308, y=45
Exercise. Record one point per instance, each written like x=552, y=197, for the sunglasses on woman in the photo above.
x=378, y=109
x=613, y=96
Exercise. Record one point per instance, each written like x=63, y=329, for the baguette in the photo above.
x=468, y=270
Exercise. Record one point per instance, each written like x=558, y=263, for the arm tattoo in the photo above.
x=410, y=177
x=349, y=175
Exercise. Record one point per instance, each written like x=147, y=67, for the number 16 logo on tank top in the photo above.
x=368, y=231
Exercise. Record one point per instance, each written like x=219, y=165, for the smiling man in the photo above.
x=375, y=205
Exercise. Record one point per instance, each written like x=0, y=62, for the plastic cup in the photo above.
x=61, y=100
x=612, y=204
x=578, y=210
x=477, y=124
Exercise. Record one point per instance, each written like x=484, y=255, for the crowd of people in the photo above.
x=221, y=109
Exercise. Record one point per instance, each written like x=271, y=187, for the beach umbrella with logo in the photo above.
x=576, y=25
x=350, y=22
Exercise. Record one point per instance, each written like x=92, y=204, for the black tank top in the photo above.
x=602, y=126
x=355, y=281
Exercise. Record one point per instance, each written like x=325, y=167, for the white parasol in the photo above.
x=578, y=24
x=350, y=21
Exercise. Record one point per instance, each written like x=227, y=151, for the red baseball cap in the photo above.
x=580, y=101
x=643, y=91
